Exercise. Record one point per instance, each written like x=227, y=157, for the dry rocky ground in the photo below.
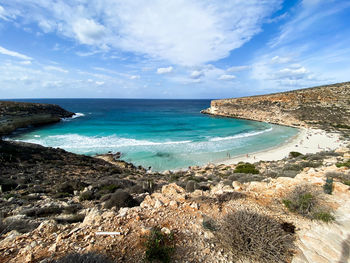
x=54, y=202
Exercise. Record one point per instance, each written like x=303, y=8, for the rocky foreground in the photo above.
x=14, y=115
x=54, y=202
x=324, y=107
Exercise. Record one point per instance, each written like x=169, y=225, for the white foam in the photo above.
x=77, y=115
x=84, y=142
x=238, y=136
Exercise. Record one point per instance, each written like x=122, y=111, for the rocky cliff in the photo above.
x=14, y=115
x=318, y=107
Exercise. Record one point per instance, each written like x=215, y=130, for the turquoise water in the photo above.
x=163, y=134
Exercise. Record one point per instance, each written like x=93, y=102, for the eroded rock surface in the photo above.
x=320, y=107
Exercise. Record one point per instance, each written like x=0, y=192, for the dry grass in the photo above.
x=253, y=237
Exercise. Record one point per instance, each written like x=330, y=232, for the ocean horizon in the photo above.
x=164, y=134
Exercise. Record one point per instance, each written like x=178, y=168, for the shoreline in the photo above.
x=306, y=141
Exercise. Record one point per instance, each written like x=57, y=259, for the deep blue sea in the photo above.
x=163, y=134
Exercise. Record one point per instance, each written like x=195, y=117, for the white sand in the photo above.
x=307, y=141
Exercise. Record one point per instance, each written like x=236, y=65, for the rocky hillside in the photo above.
x=319, y=107
x=54, y=203
x=14, y=115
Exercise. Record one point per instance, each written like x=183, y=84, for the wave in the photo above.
x=238, y=136
x=77, y=115
x=76, y=141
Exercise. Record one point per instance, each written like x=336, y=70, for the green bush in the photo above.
x=159, y=246
x=294, y=154
x=345, y=164
x=253, y=237
x=246, y=168
x=307, y=201
x=328, y=186
x=324, y=216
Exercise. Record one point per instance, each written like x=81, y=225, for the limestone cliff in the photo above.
x=321, y=107
x=14, y=115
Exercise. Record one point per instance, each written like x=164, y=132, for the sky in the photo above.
x=170, y=49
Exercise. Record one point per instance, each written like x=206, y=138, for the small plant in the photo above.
x=159, y=246
x=246, y=168
x=345, y=164
x=87, y=195
x=294, y=154
x=306, y=201
x=328, y=186
x=324, y=216
x=209, y=224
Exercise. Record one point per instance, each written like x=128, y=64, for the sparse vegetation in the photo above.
x=252, y=237
x=120, y=199
x=344, y=164
x=328, y=186
x=159, y=246
x=91, y=257
x=246, y=168
x=307, y=201
x=87, y=195
x=294, y=154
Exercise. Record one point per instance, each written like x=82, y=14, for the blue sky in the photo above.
x=170, y=49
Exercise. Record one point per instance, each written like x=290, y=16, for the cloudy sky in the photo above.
x=170, y=49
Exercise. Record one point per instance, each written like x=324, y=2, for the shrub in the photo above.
x=42, y=211
x=159, y=246
x=254, y=237
x=324, y=216
x=120, y=199
x=345, y=164
x=294, y=154
x=306, y=201
x=87, y=195
x=90, y=257
x=328, y=186
x=209, y=224
x=246, y=168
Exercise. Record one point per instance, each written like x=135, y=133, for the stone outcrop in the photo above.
x=318, y=107
x=14, y=115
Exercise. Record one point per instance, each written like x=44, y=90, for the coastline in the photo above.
x=306, y=141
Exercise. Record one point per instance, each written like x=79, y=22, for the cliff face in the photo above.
x=14, y=115
x=319, y=107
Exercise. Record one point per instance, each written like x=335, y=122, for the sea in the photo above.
x=161, y=134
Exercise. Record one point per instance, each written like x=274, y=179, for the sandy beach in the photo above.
x=306, y=141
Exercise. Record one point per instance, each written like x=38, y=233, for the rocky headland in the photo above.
x=14, y=115
x=324, y=107
x=60, y=207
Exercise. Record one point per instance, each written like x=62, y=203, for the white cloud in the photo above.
x=164, y=70
x=237, y=68
x=2, y=13
x=134, y=77
x=185, y=32
x=88, y=31
x=25, y=62
x=99, y=83
x=196, y=74
x=54, y=68
x=7, y=52
x=281, y=60
x=227, y=77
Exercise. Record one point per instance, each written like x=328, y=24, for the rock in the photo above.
x=166, y=230
x=158, y=204
x=93, y=217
